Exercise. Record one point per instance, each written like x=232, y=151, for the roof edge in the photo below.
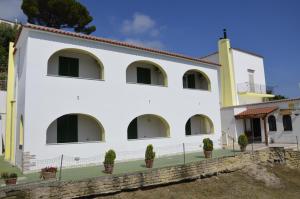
x=114, y=42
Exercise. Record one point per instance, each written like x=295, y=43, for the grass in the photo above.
x=119, y=168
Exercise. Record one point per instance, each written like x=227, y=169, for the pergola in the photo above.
x=258, y=113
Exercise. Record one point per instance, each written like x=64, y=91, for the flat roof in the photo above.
x=238, y=49
x=114, y=42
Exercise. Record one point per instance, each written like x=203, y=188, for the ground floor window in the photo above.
x=72, y=128
x=147, y=126
x=272, y=123
x=199, y=124
x=287, y=123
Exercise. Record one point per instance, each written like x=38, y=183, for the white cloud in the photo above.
x=146, y=43
x=140, y=24
x=11, y=10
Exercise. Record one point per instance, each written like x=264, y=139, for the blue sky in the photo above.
x=192, y=27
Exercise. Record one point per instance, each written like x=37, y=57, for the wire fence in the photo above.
x=74, y=167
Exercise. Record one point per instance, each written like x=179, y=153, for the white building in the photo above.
x=81, y=95
x=244, y=97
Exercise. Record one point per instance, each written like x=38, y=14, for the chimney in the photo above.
x=225, y=34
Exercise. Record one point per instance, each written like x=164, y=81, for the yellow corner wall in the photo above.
x=228, y=90
x=10, y=108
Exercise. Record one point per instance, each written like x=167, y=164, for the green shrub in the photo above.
x=6, y=175
x=243, y=140
x=149, y=154
x=208, y=144
x=110, y=157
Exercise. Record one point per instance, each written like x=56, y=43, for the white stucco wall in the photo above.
x=112, y=101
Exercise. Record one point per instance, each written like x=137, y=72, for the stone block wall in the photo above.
x=151, y=177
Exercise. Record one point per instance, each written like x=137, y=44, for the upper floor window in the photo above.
x=272, y=123
x=194, y=79
x=287, y=123
x=75, y=63
x=145, y=72
x=68, y=66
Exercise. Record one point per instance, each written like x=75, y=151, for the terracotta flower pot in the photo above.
x=109, y=168
x=208, y=154
x=46, y=175
x=10, y=181
x=149, y=163
x=243, y=148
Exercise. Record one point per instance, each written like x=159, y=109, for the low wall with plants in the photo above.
x=151, y=177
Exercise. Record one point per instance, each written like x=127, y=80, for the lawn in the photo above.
x=121, y=167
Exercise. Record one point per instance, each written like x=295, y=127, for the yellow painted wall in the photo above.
x=228, y=89
x=10, y=108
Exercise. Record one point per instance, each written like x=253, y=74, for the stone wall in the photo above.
x=151, y=177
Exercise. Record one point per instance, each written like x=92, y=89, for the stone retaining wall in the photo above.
x=151, y=177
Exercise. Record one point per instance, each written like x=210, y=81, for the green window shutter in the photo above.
x=191, y=81
x=63, y=67
x=74, y=67
x=132, y=129
x=188, y=130
x=67, y=129
x=143, y=75
x=68, y=67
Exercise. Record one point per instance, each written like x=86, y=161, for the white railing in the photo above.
x=253, y=88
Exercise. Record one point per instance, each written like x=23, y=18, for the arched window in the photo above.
x=199, y=124
x=272, y=123
x=148, y=126
x=146, y=72
x=194, y=79
x=75, y=128
x=287, y=123
x=75, y=63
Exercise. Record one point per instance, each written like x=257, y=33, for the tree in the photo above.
x=59, y=14
x=7, y=34
x=278, y=97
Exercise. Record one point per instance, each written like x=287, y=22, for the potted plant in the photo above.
x=243, y=142
x=48, y=173
x=149, y=156
x=9, y=178
x=109, y=161
x=208, y=147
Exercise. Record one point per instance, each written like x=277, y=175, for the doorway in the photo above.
x=255, y=130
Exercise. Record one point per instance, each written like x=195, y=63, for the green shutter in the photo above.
x=132, y=129
x=68, y=67
x=143, y=75
x=67, y=129
x=191, y=80
x=63, y=66
x=188, y=128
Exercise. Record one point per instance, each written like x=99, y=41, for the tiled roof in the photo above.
x=115, y=43
x=256, y=112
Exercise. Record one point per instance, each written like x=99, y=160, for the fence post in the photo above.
x=183, y=153
x=60, y=169
x=297, y=142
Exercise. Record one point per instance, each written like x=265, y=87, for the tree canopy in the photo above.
x=7, y=34
x=59, y=14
